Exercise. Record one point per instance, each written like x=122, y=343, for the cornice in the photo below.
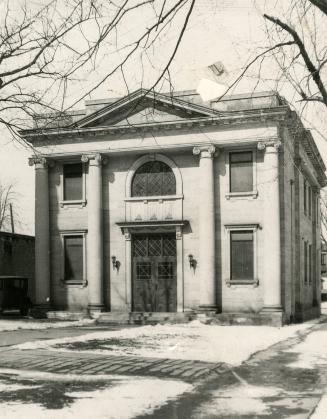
x=229, y=119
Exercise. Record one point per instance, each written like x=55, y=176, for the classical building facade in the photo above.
x=161, y=203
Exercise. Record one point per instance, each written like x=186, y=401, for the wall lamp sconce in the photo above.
x=192, y=262
x=115, y=263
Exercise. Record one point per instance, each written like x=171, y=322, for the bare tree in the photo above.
x=7, y=199
x=296, y=54
x=304, y=61
x=45, y=51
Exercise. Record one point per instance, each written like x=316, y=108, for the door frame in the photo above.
x=128, y=231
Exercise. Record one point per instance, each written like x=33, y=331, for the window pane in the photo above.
x=73, y=257
x=73, y=181
x=152, y=179
x=140, y=246
x=241, y=172
x=242, y=255
x=154, y=244
x=169, y=246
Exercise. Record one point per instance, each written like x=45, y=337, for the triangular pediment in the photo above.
x=143, y=107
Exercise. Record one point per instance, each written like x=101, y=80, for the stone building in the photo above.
x=157, y=203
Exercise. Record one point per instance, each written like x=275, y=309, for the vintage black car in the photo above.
x=13, y=294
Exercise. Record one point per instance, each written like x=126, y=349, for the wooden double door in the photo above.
x=154, y=273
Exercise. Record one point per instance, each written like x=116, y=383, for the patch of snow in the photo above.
x=49, y=376
x=127, y=398
x=320, y=411
x=8, y=325
x=312, y=352
x=243, y=399
x=192, y=341
x=5, y=387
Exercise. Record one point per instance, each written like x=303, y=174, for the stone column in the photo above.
x=42, y=238
x=205, y=194
x=271, y=227
x=94, y=247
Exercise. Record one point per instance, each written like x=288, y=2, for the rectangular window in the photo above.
x=241, y=254
x=305, y=260
x=241, y=171
x=305, y=196
x=74, y=258
x=73, y=182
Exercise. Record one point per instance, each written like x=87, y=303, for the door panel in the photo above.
x=166, y=280
x=154, y=273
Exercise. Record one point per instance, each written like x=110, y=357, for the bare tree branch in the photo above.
x=309, y=64
x=45, y=49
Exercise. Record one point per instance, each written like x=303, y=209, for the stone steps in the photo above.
x=148, y=318
x=144, y=318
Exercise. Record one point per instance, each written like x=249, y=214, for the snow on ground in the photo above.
x=192, y=341
x=5, y=387
x=125, y=398
x=245, y=400
x=321, y=409
x=312, y=352
x=7, y=325
x=238, y=400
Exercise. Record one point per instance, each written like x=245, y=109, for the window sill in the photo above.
x=252, y=194
x=74, y=284
x=253, y=282
x=74, y=203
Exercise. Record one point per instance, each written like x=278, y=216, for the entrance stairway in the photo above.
x=148, y=318
x=145, y=318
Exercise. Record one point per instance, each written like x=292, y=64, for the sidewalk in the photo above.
x=94, y=364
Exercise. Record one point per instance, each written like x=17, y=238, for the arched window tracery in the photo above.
x=153, y=178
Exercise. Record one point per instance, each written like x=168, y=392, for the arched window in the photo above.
x=152, y=179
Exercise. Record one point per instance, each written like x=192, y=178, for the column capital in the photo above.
x=94, y=159
x=205, y=151
x=272, y=143
x=127, y=234
x=38, y=161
